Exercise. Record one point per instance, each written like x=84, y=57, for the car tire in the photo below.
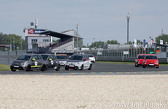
x=13, y=70
x=136, y=65
x=82, y=67
x=43, y=68
x=28, y=68
x=157, y=66
x=58, y=68
x=76, y=68
x=90, y=67
x=144, y=66
x=66, y=67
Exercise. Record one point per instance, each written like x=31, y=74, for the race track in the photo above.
x=101, y=68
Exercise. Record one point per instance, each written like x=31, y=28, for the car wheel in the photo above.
x=90, y=67
x=43, y=68
x=136, y=65
x=28, y=68
x=81, y=67
x=157, y=66
x=76, y=68
x=66, y=67
x=58, y=68
x=144, y=66
x=13, y=70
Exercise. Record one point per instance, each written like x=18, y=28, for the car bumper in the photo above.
x=17, y=67
x=151, y=64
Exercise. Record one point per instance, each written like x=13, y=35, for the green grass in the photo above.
x=132, y=63
x=115, y=62
x=4, y=67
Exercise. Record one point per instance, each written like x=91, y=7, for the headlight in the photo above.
x=156, y=61
x=24, y=64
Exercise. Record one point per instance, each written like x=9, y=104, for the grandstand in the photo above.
x=41, y=40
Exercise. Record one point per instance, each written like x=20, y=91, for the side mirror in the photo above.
x=85, y=59
x=33, y=59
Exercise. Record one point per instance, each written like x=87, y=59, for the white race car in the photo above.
x=78, y=61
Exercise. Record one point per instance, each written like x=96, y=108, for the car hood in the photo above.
x=74, y=61
x=19, y=61
x=151, y=60
x=140, y=60
x=62, y=59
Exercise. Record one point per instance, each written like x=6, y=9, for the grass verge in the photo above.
x=115, y=62
x=132, y=63
x=4, y=67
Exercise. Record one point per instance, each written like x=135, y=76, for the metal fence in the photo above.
x=6, y=57
x=127, y=54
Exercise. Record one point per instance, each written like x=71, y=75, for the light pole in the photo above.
x=13, y=43
x=93, y=42
x=128, y=18
x=77, y=37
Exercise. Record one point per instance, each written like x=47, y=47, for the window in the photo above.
x=45, y=40
x=34, y=40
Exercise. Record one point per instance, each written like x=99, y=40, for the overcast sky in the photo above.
x=100, y=19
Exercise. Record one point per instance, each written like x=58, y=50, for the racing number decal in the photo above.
x=52, y=62
x=35, y=63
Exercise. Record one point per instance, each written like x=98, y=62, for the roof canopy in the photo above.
x=56, y=34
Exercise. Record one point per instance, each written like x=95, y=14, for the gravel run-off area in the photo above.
x=83, y=91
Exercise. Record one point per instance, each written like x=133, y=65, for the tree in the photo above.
x=112, y=42
x=97, y=44
x=163, y=37
x=11, y=39
x=139, y=42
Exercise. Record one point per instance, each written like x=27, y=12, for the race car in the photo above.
x=150, y=60
x=139, y=60
x=78, y=61
x=28, y=62
x=51, y=61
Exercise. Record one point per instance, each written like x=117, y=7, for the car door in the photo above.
x=40, y=60
x=51, y=61
x=34, y=61
x=86, y=62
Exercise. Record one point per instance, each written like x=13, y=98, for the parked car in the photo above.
x=139, y=60
x=150, y=60
x=92, y=57
x=28, y=62
x=62, y=58
x=51, y=61
x=78, y=61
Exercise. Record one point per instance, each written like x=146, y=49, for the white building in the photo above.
x=41, y=40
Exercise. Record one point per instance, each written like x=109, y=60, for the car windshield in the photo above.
x=141, y=56
x=23, y=57
x=75, y=58
x=62, y=57
x=90, y=55
x=151, y=57
x=44, y=57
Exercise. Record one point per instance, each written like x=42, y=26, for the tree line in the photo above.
x=14, y=42
x=17, y=43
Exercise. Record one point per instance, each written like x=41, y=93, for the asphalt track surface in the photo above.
x=100, y=69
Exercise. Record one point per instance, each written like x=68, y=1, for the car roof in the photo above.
x=141, y=54
x=79, y=55
x=46, y=54
x=151, y=54
x=30, y=54
x=61, y=54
